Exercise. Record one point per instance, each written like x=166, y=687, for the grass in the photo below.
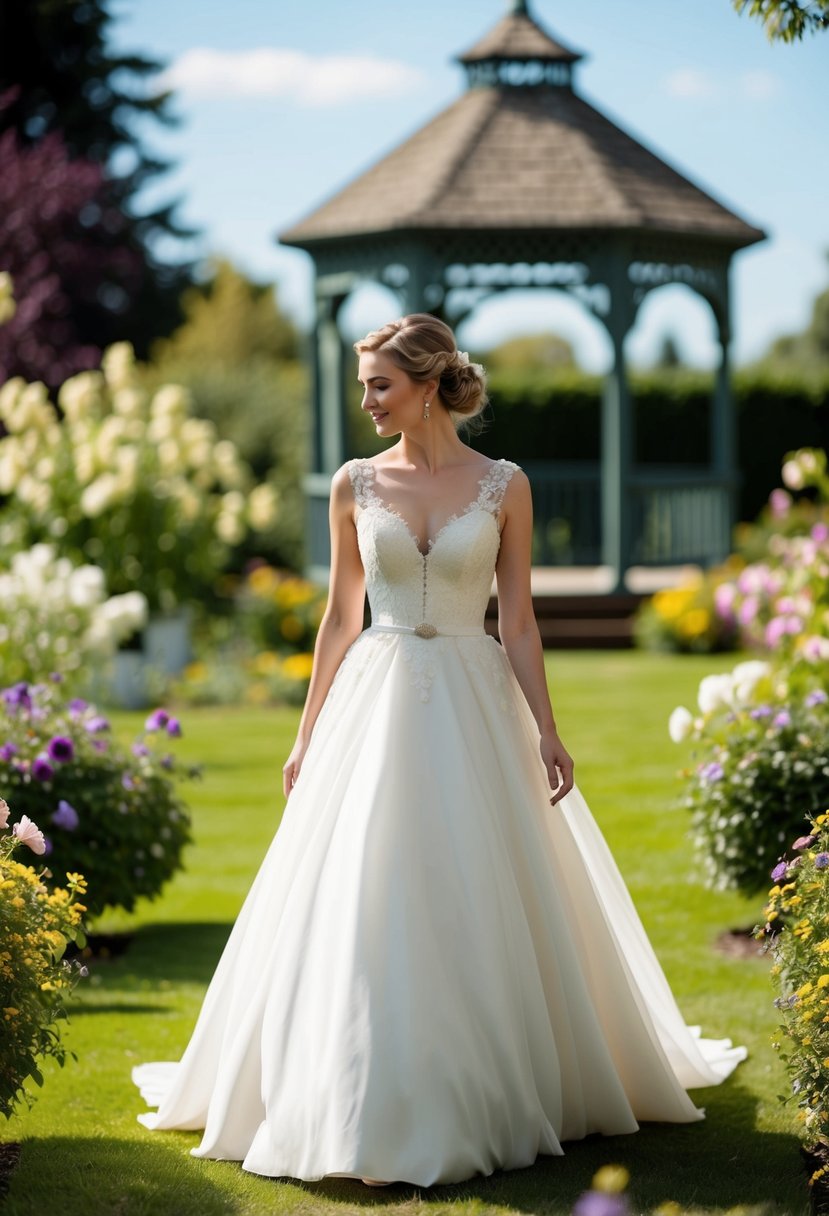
x=84, y=1154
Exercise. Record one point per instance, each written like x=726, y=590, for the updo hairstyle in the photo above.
x=424, y=348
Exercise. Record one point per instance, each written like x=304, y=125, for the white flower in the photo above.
x=129, y=402
x=715, y=692
x=99, y=495
x=86, y=586
x=746, y=677
x=227, y=465
x=7, y=304
x=29, y=833
x=169, y=456
x=262, y=504
x=118, y=365
x=463, y=357
x=170, y=400
x=4, y=813
x=793, y=475
x=680, y=724
x=85, y=463
x=81, y=397
x=12, y=464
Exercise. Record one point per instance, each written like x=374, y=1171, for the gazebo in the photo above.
x=522, y=183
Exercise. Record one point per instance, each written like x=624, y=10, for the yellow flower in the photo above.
x=694, y=622
x=823, y=980
x=612, y=1179
x=291, y=627
x=266, y=663
x=298, y=666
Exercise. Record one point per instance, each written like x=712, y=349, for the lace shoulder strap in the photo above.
x=494, y=484
x=361, y=476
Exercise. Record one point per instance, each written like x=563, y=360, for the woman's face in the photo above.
x=390, y=396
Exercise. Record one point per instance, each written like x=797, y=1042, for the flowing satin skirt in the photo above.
x=435, y=974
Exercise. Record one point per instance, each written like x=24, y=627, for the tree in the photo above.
x=787, y=20
x=58, y=76
x=531, y=350
x=809, y=349
x=669, y=356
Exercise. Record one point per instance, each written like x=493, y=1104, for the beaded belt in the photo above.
x=424, y=630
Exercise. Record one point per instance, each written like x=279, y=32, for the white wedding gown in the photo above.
x=435, y=974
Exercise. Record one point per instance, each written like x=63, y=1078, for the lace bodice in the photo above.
x=450, y=584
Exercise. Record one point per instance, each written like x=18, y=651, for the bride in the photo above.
x=438, y=971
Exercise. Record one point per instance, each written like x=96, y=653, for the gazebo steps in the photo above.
x=581, y=622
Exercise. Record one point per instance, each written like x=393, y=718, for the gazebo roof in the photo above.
x=514, y=155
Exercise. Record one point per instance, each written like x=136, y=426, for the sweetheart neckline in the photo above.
x=453, y=519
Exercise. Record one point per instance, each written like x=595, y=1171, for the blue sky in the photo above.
x=284, y=102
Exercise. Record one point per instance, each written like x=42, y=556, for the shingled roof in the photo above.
x=521, y=156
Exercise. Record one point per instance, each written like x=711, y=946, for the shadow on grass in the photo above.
x=176, y=953
x=76, y=1175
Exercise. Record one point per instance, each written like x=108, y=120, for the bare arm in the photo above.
x=519, y=631
x=341, y=622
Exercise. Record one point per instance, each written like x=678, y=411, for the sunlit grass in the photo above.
x=84, y=1153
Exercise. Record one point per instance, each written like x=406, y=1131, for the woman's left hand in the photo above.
x=559, y=765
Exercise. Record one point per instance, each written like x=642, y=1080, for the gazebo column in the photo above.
x=724, y=428
x=328, y=442
x=617, y=442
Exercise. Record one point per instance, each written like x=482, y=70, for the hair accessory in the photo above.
x=463, y=357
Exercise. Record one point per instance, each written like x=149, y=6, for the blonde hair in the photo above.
x=425, y=349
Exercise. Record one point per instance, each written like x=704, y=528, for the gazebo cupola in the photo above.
x=518, y=53
x=521, y=183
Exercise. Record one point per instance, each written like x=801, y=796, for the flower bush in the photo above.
x=126, y=480
x=110, y=813
x=277, y=611
x=762, y=761
x=780, y=602
x=55, y=617
x=229, y=678
x=797, y=927
x=36, y=924
x=684, y=619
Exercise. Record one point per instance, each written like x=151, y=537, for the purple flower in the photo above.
x=784, y=718
x=47, y=846
x=803, y=842
x=61, y=749
x=599, y=1203
x=17, y=696
x=56, y=677
x=100, y=745
x=65, y=816
x=822, y=861
x=127, y=781
x=7, y=751
x=42, y=769
x=820, y=533
x=77, y=706
x=709, y=773
x=140, y=749
x=167, y=761
x=817, y=697
x=157, y=720
x=780, y=870
x=174, y=727
x=762, y=711
x=96, y=724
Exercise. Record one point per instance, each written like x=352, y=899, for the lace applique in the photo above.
x=418, y=656
x=485, y=657
x=494, y=485
x=361, y=476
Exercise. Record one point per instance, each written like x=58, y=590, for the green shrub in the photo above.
x=112, y=815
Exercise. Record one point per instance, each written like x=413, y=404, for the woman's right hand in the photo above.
x=292, y=766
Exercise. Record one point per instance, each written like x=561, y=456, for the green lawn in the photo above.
x=84, y=1154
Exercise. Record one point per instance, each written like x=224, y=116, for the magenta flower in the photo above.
x=748, y=610
x=599, y=1203
x=820, y=533
x=30, y=834
x=61, y=749
x=803, y=842
x=7, y=751
x=784, y=718
x=65, y=816
x=709, y=773
x=174, y=727
x=97, y=724
x=77, y=706
x=779, y=502
x=157, y=720
x=42, y=769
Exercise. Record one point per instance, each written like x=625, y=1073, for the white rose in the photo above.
x=793, y=475
x=81, y=397
x=680, y=724
x=715, y=692
x=86, y=586
x=746, y=677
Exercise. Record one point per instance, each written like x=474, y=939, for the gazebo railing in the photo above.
x=681, y=514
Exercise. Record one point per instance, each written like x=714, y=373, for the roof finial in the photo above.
x=518, y=8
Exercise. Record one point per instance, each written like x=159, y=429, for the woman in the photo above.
x=438, y=971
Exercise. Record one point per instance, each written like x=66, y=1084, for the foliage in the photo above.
x=111, y=814
x=36, y=924
x=239, y=356
x=59, y=264
x=787, y=20
x=797, y=927
x=683, y=619
x=237, y=676
x=764, y=764
x=128, y=481
x=781, y=601
x=539, y=350
x=809, y=349
x=62, y=75
x=54, y=618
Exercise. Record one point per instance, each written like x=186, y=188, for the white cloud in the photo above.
x=325, y=80
x=690, y=82
x=759, y=86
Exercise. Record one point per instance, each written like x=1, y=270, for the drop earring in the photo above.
x=426, y=410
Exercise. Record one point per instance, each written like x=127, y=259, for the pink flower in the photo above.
x=4, y=813
x=724, y=596
x=779, y=501
x=747, y=610
x=820, y=533
x=30, y=834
